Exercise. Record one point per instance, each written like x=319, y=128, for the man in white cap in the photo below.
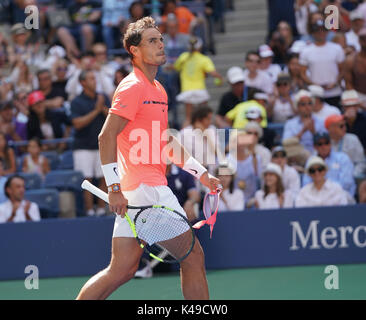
x=355, y=66
x=305, y=124
x=321, y=191
x=357, y=22
x=355, y=120
x=272, y=69
x=321, y=109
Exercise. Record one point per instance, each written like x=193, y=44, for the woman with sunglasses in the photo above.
x=321, y=191
x=273, y=194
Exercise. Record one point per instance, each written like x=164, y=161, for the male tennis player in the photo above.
x=139, y=107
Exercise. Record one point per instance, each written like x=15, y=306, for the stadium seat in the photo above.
x=53, y=159
x=278, y=128
x=64, y=180
x=66, y=161
x=32, y=180
x=47, y=200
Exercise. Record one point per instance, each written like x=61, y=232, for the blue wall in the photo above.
x=240, y=239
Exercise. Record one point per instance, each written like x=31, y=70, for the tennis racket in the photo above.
x=165, y=234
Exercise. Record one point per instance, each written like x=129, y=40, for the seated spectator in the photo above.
x=355, y=120
x=231, y=198
x=281, y=41
x=7, y=125
x=253, y=76
x=266, y=54
x=193, y=67
x=290, y=177
x=231, y=98
x=321, y=191
x=283, y=106
x=361, y=192
x=297, y=155
x=54, y=98
x=294, y=70
x=21, y=77
x=119, y=75
x=184, y=188
x=305, y=124
x=245, y=162
x=34, y=161
x=7, y=157
x=88, y=113
x=101, y=60
x=22, y=113
x=273, y=195
x=346, y=142
x=17, y=209
x=357, y=22
x=321, y=109
x=253, y=128
x=340, y=166
x=85, y=16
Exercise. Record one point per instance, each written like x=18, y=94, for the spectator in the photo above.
x=253, y=128
x=253, y=76
x=294, y=70
x=88, y=113
x=281, y=41
x=322, y=64
x=305, y=124
x=283, y=106
x=230, y=99
x=273, y=195
x=7, y=121
x=59, y=72
x=21, y=77
x=357, y=22
x=22, y=113
x=34, y=161
x=302, y=10
x=266, y=58
x=321, y=109
x=346, y=142
x=321, y=191
x=280, y=10
x=54, y=97
x=246, y=163
x=231, y=198
x=17, y=209
x=119, y=75
x=101, y=60
x=45, y=123
x=340, y=166
x=290, y=177
x=361, y=193
x=355, y=66
x=85, y=16
x=355, y=120
x=7, y=157
x=193, y=67
x=183, y=186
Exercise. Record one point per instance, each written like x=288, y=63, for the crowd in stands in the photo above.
x=298, y=101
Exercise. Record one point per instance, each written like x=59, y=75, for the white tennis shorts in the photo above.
x=145, y=195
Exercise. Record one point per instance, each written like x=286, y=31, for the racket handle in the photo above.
x=86, y=185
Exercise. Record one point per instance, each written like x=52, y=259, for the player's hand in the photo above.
x=210, y=181
x=117, y=203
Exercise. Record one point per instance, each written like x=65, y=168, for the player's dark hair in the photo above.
x=8, y=183
x=200, y=113
x=251, y=52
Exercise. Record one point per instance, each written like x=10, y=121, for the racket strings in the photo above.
x=165, y=229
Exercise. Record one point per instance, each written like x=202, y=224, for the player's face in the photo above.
x=151, y=48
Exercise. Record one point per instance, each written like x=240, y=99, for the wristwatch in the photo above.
x=115, y=187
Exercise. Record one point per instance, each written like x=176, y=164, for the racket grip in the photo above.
x=86, y=185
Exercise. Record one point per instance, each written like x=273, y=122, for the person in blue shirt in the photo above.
x=305, y=125
x=340, y=166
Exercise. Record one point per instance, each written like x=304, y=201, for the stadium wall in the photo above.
x=77, y=247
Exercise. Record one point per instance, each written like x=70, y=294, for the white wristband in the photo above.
x=193, y=167
x=110, y=172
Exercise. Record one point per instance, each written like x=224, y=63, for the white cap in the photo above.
x=314, y=160
x=57, y=51
x=265, y=51
x=356, y=14
x=316, y=91
x=261, y=96
x=301, y=94
x=350, y=98
x=273, y=168
x=253, y=113
x=235, y=74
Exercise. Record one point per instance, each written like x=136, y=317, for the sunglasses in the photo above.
x=313, y=170
x=325, y=143
x=310, y=103
x=279, y=155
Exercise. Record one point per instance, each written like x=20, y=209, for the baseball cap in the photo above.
x=18, y=28
x=302, y=94
x=265, y=51
x=235, y=74
x=320, y=136
x=273, y=168
x=334, y=118
x=279, y=149
x=35, y=96
x=261, y=96
x=253, y=113
x=350, y=98
x=316, y=91
x=356, y=15
x=283, y=77
x=314, y=160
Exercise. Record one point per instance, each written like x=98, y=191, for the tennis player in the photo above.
x=139, y=109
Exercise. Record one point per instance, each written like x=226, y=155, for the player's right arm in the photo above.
x=107, y=139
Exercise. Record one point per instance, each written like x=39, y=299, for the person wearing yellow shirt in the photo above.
x=193, y=67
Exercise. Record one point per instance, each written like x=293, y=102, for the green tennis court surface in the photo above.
x=305, y=282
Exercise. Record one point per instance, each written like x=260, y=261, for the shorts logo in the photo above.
x=195, y=171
